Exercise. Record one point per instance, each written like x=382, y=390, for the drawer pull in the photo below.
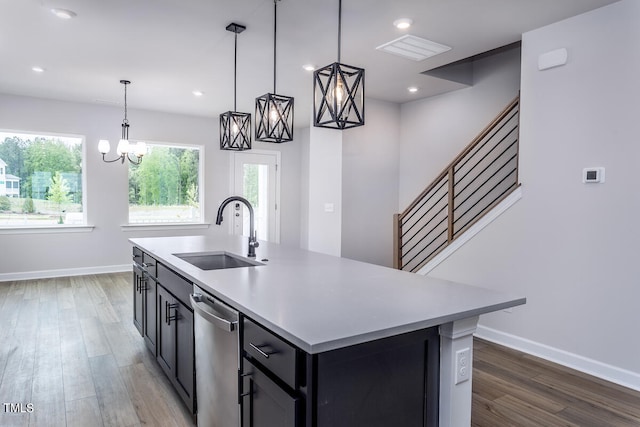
x=257, y=348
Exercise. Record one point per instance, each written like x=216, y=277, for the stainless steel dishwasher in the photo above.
x=217, y=360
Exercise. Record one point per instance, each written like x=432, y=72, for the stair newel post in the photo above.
x=451, y=196
x=397, y=242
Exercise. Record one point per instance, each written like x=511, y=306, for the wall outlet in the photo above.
x=463, y=365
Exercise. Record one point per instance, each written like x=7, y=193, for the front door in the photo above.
x=256, y=177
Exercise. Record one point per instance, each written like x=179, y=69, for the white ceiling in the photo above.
x=168, y=48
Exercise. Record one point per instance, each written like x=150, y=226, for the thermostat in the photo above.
x=593, y=175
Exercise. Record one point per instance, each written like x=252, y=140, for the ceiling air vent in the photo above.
x=412, y=47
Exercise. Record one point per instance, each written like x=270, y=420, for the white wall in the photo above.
x=324, y=190
x=571, y=248
x=434, y=130
x=370, y=184
x=106, y=247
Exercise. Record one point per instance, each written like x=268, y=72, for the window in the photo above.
x=166, y=186
x=44, y=180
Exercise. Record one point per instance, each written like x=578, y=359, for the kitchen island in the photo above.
x=324, y=306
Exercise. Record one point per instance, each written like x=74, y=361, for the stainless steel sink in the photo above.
x=216, y=260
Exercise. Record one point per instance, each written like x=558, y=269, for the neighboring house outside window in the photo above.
x=12, y=186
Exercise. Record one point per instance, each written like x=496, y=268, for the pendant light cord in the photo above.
x=125, y=121
x=235, y=71
x=125, y=104
x=339, y=27
x=275, y=26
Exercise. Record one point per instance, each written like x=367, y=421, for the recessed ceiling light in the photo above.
x=37, y=69
x=412, y=89
x=197, y=93
x=64, y=13
x=403, y=23
x=309, y=67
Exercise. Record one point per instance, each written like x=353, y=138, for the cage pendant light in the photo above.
x=235, y=127
x=338, y=92
x=274, y=113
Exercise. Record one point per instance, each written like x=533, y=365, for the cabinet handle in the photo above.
x=139, y=287
x=257, y=348
x=241, y=396
x=167, y=308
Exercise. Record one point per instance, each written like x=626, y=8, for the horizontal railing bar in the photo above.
x=486, y=194
x=482, y=197
x=485, y=131
x=490, y=205
x=426, y=246
x=416, y=245
x=487, y=180
x=434, y=228
x=432, y=254
x=403, y=221
x=486, y=141
x=493, y=162
x=500, y=143
x=426, y=191
x=434, y=217
x=468, y=148
x=423, y=215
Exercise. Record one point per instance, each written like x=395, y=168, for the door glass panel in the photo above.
x=255, y=183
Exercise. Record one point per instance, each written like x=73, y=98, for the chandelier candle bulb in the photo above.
x=103, y=146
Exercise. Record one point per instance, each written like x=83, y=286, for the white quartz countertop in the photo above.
x=320, y=302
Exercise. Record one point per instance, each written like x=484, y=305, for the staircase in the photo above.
x=475, y=182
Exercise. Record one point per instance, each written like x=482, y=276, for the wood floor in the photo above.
x=69, y=348
x=511, y=388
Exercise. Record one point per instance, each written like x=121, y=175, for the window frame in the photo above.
x=55, y=228
x=133, y=226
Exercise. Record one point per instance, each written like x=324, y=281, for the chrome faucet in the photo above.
x=253, y=238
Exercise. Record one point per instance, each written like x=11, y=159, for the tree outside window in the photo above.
x=165, y=186
x=46, y=179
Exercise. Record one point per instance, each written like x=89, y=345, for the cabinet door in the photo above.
x=264, y=403
x=138, y=283
x=149, y=315
x=166, y=336
x=184, y=375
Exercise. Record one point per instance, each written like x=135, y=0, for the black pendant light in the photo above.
x=338, y=92
x=274, y=113
x=235, y=127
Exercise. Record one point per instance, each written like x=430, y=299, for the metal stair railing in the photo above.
x=478, y=179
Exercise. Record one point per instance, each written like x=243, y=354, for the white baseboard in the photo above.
x=601, y=370
x=45, y=274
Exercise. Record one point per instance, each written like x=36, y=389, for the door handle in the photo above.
x=212, y=316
